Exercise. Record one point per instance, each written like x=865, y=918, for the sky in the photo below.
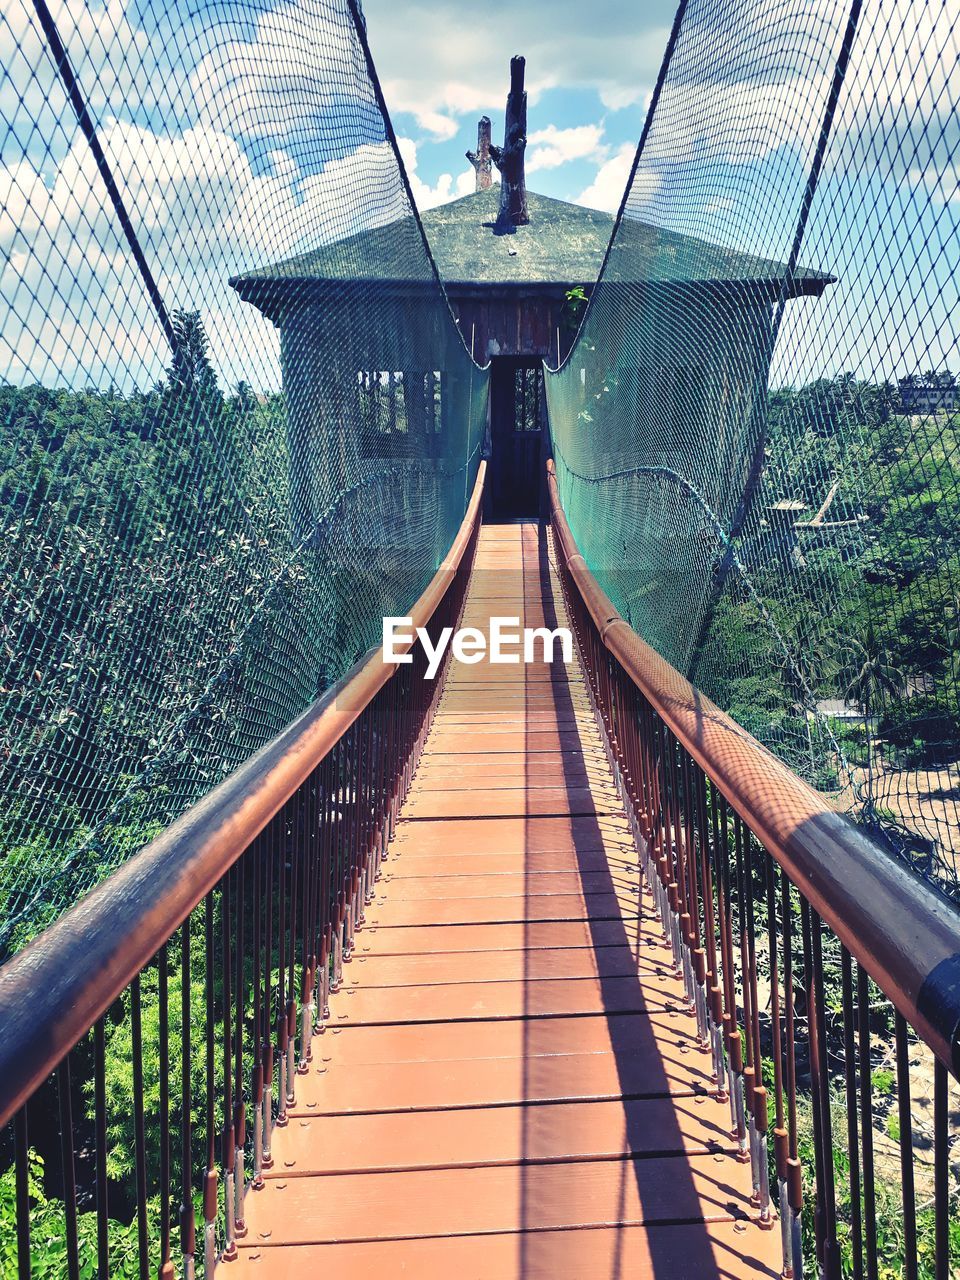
x=242, y=134
x=590, y=70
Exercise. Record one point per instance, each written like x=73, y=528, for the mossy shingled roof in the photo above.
x=563, y=244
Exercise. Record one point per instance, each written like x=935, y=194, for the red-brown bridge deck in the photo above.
x=509, y=1085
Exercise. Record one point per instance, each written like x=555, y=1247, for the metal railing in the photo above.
x=239, y=917
x=823, y=973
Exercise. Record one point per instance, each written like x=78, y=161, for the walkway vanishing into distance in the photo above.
x=509, y=1084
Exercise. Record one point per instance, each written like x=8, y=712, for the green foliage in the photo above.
x=574, y=304
x=119, y=1065
x=853, y=597
x=890, y=1243
x=883, y=1081
x=48, y=1244
x=148, y=527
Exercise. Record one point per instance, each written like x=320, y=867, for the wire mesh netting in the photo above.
x=757, y=433
x=237, y=422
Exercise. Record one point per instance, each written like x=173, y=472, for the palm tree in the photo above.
x=871, y=679
x=795, y=678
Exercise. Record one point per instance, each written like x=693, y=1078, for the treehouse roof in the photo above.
x=563, y=245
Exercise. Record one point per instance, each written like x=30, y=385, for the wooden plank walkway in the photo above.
x=509, y=1085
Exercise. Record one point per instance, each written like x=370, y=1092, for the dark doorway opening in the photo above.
x=516, y=417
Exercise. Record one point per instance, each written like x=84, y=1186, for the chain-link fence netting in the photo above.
x=757, y=435
x=237, y=422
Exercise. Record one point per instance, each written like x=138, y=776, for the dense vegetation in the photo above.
x=853, y=559
x=119, y=501
x=135, y=527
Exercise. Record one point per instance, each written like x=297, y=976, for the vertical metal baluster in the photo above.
x=241, y=869
x=715, y=990
x=188, y=1224
x=256, y=1083
x=363, y=787
x=318, y=801
x=383, y=774
x=699, y=953
x=831, y=1245
x=910, y=1262
x=353, y=828
x=941, y=1169
x=794, y=1171
x=664, y=842
x=68, y=1167
x=866, y=1125
x=163, y=987
x=280, y=1009
x=210, y=1187
x=327, y=829
x=341, y=785
x=823, y=1150
x=732, y=1037
x=139, y=1139
x=296, y=859
x=761, y=1119
x=274, y=838
x=741, y=846
x=227, y=1137
x=681, y=880
x=337, y=881
x=780, y=1138
x=810, y=997
x=100, y=1127
x=309, y=958
x=853, y=1137
x=355, y=819
x=22, y=1176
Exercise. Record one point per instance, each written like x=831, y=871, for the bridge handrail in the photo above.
x=899, y=928
x=53, y=991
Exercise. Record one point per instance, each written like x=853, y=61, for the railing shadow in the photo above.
x=640, y=1068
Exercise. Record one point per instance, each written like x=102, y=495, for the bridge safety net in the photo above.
x=757, y=433
x=237, y=422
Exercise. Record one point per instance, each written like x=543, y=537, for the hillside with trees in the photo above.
x=843, y=654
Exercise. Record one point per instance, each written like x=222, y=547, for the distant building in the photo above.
x=847, y=713
x=929, y=393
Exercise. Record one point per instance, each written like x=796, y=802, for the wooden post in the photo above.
x=480, y=159
x=509, y=157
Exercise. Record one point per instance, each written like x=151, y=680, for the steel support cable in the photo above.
x=745, y=504
x=621, y=212
x=85, y=120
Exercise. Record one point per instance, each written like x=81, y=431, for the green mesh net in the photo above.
x=757, y=433
x=237, y=422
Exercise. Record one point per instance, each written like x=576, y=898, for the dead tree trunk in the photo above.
x=480, y=159
x=509, y=157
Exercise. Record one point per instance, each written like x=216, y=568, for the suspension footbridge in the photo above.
x=641, y=963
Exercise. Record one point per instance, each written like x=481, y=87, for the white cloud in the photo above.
x=618, y=98
x=75, y=308
x=466, y=183
x=606, y=190
x=551, y=147
x=943, y=186
x=454, y=59
x=441, y=127
x=281, y=79
x=446, y=187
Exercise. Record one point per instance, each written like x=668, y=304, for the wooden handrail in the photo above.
x=53, y=991
x=903, y=932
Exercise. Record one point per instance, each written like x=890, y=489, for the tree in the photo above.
x=509, y=158
x=870, y=679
